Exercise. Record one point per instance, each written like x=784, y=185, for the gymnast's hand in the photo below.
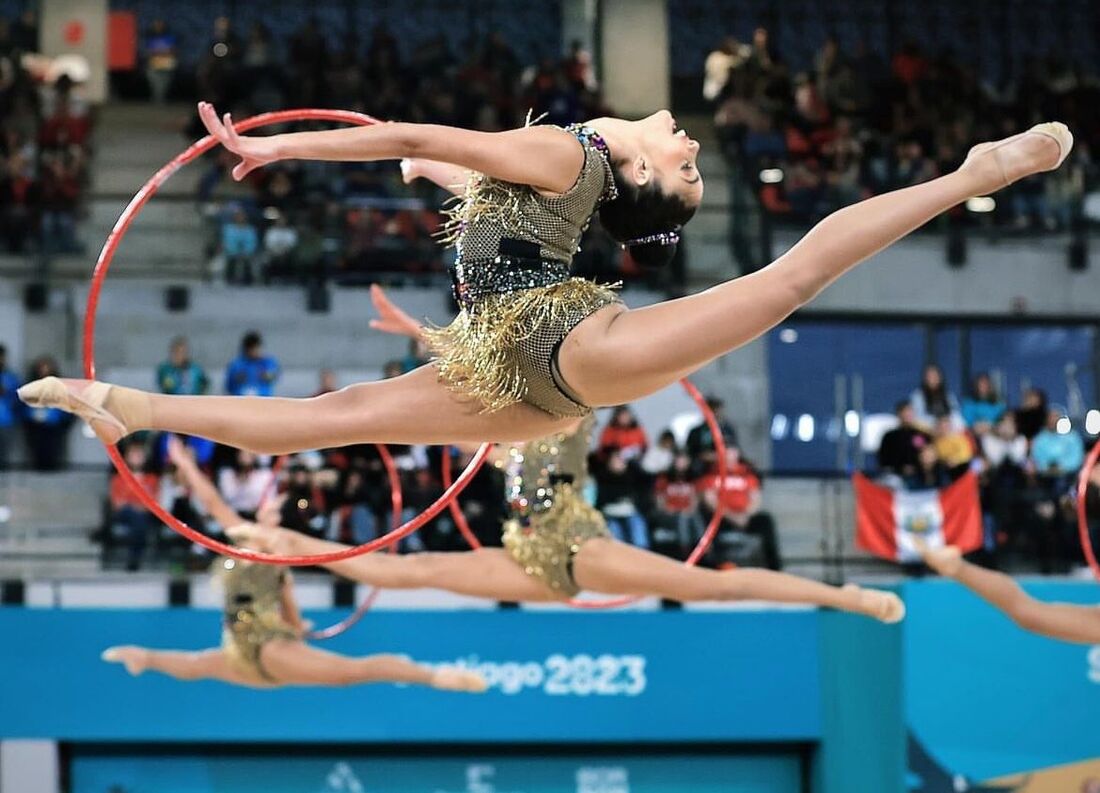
x=254, y=152
x=391, y=319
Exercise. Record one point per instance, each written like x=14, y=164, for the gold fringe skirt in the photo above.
x=244, y=637
x=499, y=352
x=544, y=543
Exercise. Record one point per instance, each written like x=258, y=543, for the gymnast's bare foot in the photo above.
x=883, y=606
x=452, y=678
x=135, y=659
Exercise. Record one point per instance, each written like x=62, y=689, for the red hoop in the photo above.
x=700, y=548
x=1082, y=518
x=103, y=264
x=396, y=506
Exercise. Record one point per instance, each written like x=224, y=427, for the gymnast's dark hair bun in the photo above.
x=646, y=220
x=652, y=254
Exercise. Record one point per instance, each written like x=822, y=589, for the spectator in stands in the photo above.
x=1032, y=414
x=280, y=240
x=160, y=60
x=1056, y=457
x=619, y=485
x=930, y=473
x=10, y=408
x=1057, y=452
x=932, y=399
x=179, y=374
x=624, y=434
x=677, y=502
x=240, y=243
x=127, y=511
x=252, y=373
x=1004, y=478
x=45, y=429
x=954, y=448
x=983, y=407
x=729, y=55
x=245, y=484
x=58, y=193
x=659, y=457
x=304, y=507
x=740, y=494
x=700, y=441
x=899, y=452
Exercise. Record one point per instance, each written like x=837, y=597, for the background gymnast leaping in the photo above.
x=262, y=644
x=556, y=543
x=532, y=348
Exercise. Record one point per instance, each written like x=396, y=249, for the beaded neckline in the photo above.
x=589, y=137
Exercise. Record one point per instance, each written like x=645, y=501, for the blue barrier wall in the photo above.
x=557, y=677
x=735, y=678
x=988, y=702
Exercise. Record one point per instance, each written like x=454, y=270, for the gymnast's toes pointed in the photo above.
x=451, y=679
x=111, y=411
x=135, y=659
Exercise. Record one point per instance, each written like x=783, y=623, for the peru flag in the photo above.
x=889, y=521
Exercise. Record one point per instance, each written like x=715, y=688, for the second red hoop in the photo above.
x=103, y=264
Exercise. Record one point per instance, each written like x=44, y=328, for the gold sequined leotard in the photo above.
x=550, y=518
x=253, y=613
x=511, y=279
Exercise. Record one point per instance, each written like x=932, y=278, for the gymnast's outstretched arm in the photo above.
x=202, y=488
x=542, y=157
x=1064, y=621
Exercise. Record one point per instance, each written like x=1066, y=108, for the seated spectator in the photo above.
x=240, y=243
x=1031, y=416
x=179, y=374
x=252, y=373
x=700, y=442
x=659, y=457
x=619, y=486
x=304, y=506
x=10, y=408
x=280, y=240
x=932, y=400
x=160, y=60
x=625, y=434
x=983, y=407
x=46, y=429
x=677, y=502
x=127, y=511
x=930, y=473
x=246, y=484
x=899, y=452
x=740, y=494
x=1057, y=455
x=953, y=446
x=1004, y=445
x=1006, y=459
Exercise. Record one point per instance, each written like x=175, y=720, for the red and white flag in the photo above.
x=889, y=522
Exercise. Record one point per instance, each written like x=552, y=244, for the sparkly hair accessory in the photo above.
x=661, y=238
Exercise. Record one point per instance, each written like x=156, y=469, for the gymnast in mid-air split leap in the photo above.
x=556, y=544
x=533, y=348
x=262, y=635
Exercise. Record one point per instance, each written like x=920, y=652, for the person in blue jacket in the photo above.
x=252, y=373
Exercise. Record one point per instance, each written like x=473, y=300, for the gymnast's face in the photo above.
x=669, y=157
